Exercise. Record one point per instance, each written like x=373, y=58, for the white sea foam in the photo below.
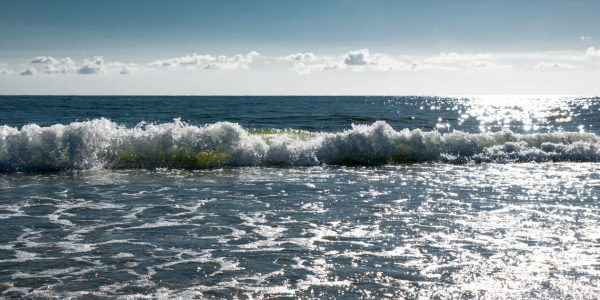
x=101, y=143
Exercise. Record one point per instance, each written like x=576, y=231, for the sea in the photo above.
x=308, y=197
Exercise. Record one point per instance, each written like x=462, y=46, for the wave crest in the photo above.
x=101, y=143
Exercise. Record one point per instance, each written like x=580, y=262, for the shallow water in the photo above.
x=416, y=230
x=503, y=228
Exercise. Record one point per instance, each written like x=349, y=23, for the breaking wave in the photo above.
x=101, y=143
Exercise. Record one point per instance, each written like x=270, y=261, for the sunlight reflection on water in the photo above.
x=412, y=231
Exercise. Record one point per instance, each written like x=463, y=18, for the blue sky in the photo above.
x=347, y=47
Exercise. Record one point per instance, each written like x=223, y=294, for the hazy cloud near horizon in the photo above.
x=583, y=65
x=307, y=63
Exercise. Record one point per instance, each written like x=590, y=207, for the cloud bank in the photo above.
x=307, y=62
x=97, y=65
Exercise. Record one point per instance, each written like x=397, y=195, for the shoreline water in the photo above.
x=513, y=226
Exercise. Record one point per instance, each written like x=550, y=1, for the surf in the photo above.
x=101, y=143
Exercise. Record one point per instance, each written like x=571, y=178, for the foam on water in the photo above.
x=101, y=143
x=493, y=231
x=157, y=217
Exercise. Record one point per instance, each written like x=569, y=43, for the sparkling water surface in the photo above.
x=499, y=228
x=331, y=113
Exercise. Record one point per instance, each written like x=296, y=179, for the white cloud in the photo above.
x=545, y=65
x=193, y=59
x=232, y=63
x=221, y=62
x=483, y=64
x=51, y=60
x=358, y=57
x=384, y=63
x=123, y=68
x=126, y=69
x=301, y=68
x=29, y=71
x=94, y=66
x=377, y=61
x=97, y=65
x=301, y=56
x=453, y=58
x=586, y=37
x=361, y=60
x=54, y=65
x=592, y=52
x=44, y=60
x=67, y=61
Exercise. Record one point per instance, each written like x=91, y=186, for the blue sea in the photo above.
x=299, y=197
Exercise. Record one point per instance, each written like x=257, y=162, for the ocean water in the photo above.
x=299, y=197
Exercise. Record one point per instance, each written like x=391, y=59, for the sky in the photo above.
x=338, y=47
